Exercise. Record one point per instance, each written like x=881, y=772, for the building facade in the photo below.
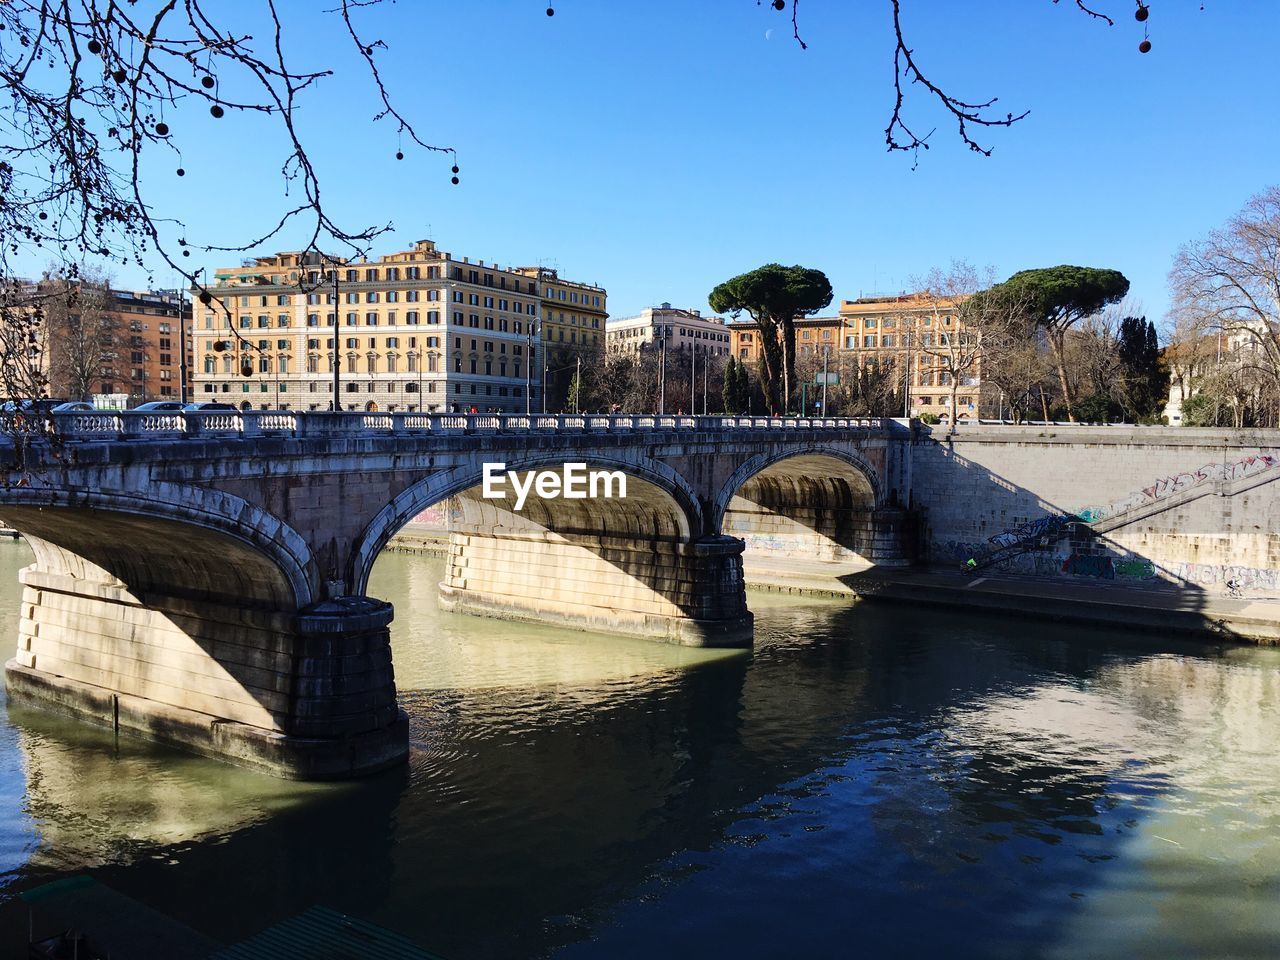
x=814, y=337
x=95, y=340
x=148, y=362
x=681, y=329
x=418, y=330
x=573, y=313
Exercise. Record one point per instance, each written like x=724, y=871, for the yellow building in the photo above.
x=572, y=313
x=417, y=330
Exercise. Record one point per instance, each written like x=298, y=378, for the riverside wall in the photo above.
x=1199, y=508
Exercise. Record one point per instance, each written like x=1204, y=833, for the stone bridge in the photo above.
x=201, y=577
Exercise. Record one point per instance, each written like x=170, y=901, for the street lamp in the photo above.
x=528, y=369
x=826, y=351
x=337, y=357
x=182, y=347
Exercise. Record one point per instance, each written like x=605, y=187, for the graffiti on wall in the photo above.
x=1181, y=482
x=1045, y=526
x=1089, y=565
x=1226, y=578
x=1135, y=568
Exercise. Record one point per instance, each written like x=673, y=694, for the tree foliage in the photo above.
x=737, y=387
x=1145, y=378
x=1056, y=298
x=775, y=296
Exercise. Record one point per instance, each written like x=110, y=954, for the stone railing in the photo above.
x=129, y=424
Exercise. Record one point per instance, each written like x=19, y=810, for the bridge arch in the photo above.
x=637, y=564
x=179, y=541
x=809, y=503
x=660, y=503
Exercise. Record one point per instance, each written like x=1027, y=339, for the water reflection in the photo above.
x=872, y=780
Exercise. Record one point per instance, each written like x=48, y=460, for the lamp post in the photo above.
x=662, y=370
x=337, y=357
x=543, y=349
x=182, y=348
x=706, y=373
x=826, y=352
x=528, y=370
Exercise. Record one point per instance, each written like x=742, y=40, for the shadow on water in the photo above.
x=870, y=779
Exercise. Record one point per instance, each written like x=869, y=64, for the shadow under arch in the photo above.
x=184, y=542
x=189, y=616
x=682, y=506
x=637, y=564
x=812, y=504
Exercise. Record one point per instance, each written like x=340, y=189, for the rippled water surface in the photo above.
x=870, y=781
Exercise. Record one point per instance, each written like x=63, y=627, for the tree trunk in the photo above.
x=787, y=367
x=1055, y=341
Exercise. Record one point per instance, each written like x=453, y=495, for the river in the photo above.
x=871, y=781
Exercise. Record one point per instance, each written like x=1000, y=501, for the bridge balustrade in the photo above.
x=129, y=424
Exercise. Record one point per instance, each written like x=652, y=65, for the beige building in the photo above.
x=682, y=330
x=417, y=330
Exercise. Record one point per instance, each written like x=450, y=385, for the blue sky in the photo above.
x=659, y=147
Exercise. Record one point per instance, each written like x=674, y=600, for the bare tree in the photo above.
x=22, y=343
x=1229, y=282
x=98, y=88
x=949, y=339
x=865, y=385
x=1015, y=358
x=82, y=330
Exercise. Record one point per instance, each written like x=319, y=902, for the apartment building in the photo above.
x=573, y=313
x=98, y=340
x=417, y=330
x=147, y=362
x=682, y=330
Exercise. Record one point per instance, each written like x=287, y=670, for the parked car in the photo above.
x=208, y=405
x=74, y=406
x=28, y=405
x=160, y=406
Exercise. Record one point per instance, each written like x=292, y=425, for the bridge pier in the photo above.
x=309, y=695
x=679, y=591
